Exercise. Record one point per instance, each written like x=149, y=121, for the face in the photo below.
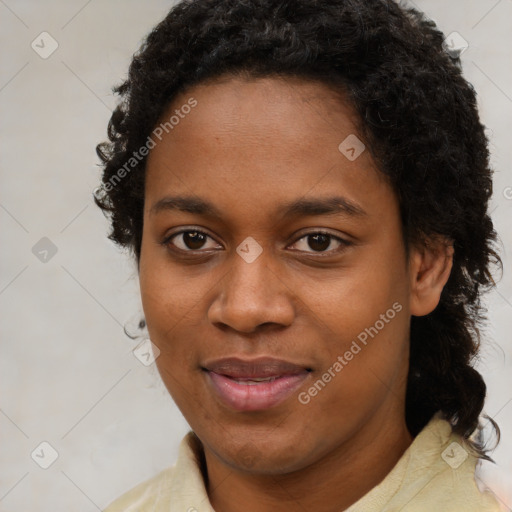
x=257, y=260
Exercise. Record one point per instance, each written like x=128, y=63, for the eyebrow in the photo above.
x=335, y=205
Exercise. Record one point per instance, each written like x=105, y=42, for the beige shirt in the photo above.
x=435, y=474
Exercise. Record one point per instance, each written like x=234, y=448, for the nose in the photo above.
x=251, y=295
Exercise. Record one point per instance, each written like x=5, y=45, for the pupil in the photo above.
x=321, y=241
x=193, y=240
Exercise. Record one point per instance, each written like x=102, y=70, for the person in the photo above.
x=304, y=186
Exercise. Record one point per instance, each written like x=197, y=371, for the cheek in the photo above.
x=164, y=301
x=167, y=308
x=379, y=280
x=354, y=299
x=360, y=371
x=173, y=304
x=368, y=321
x=167, y=294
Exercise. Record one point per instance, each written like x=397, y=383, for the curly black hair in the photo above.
x=418, y=117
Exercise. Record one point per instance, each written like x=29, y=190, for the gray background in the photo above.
x=67, y=372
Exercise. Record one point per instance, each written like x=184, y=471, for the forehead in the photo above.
x=261, y=108
x=259, y=142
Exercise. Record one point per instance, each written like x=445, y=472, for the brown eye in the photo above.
x=320, y=242
x=189, y=240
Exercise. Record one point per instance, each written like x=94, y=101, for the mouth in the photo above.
x=251, y=385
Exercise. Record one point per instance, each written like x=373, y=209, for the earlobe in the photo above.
x=430, y=268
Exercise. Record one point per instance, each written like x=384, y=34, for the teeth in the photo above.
x=255, y=380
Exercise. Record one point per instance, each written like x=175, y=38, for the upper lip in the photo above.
x=262, y=367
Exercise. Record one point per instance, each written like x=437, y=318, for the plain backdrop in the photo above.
x=68, y=376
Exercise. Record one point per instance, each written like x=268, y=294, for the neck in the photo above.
x=332, y=483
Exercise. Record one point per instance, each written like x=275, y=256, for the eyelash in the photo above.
x=343, y=243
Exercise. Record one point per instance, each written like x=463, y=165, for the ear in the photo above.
x=430, y=264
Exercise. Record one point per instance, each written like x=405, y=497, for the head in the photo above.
x=254, y=112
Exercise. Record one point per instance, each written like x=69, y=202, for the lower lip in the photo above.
x=255, y=397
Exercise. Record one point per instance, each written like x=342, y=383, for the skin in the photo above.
x=249, y=146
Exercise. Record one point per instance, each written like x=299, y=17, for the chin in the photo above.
x=270, y=455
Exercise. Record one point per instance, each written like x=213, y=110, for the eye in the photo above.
x=189, y=240
x=319, y=241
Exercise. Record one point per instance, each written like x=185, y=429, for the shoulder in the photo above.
x=177, y=487
x=146, y=495
x=441, y=474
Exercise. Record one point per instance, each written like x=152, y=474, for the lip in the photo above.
x=231, y=379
